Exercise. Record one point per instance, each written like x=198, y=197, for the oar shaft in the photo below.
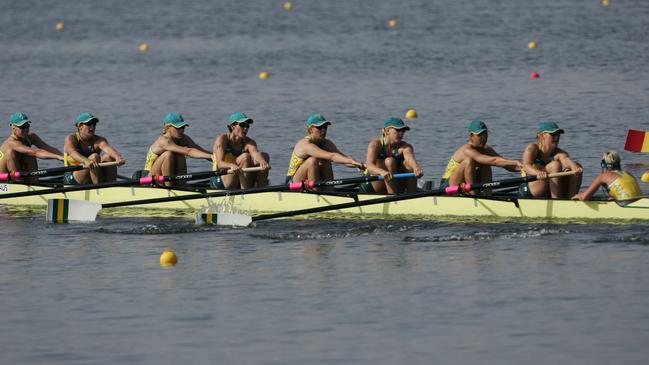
x=201, y=175
x=295, y=186
x=45, y=172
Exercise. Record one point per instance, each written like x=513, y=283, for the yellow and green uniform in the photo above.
x=367, y=187
x=524, y=188
x=450, y=169
x=85, y=151
x=294, y=164
x=624, y=188
x=231, y=155
x=151, y=157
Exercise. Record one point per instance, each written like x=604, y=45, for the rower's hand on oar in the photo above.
x=235, y=170
x=542, y=175
x=90, y=164
x=264, y=165
x=519, y=166
x=419, y=172
x=579, y=196
x=121, y=161
x=387, y=176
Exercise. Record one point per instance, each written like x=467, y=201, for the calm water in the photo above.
x=295, y=292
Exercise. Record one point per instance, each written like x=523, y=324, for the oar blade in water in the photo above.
x=224, y=219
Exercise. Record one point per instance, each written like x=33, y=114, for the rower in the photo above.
x=235, y=150
x=617, y=184
x=167, y=155
x=20, y=151
x=388, y=155
x=86, y=148
x=545, y=157
x=472, y=162
x=312, y=155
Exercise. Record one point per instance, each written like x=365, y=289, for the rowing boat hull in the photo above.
x=426, y=207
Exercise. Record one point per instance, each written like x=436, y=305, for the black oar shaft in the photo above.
x=284, y=187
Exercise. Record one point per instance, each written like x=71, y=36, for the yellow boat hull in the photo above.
x=426, y=207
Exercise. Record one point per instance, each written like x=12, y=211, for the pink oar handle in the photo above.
x=4, y=176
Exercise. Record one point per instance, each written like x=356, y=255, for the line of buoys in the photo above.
x=59, y=26
x=605, y=3
x=645, y=177
x=144, y=47
x=535, y=75
x=392, y=23
x=532, y=45
x=288, y=5
x=263, y=75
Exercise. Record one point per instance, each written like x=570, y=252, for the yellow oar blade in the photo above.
x=69, y=210
x=223, y=219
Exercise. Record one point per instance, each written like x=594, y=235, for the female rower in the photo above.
x=472, y=162
x=20, y=151
x=312, y=155
x=235, y=150
x=618, y=185
x=545, y=157
x=86, y=148
x=388, y=155
x=166, y=156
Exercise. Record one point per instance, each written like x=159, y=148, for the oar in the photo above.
x=148, y=180
x=236, y=219
x=6, y=176
x=64, y=210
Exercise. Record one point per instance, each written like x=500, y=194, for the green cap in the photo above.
x=395, y=123
x=175, y=119
x=18, y=119
x=477, y=126
x=85, y=118
x=549, y=126
x=317, y=120
x=239, y=118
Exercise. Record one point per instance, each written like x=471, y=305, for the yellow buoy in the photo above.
x=531, y=45
x=168, y=258
x=605, y=2
x=144, y=47
x=60, y=26
x=263, y=75
x=645, y=177
x=411, y=114
x=288, y=5
x=392, y=23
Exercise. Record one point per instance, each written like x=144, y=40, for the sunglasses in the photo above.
x=244, y=125
x=319, y=127
x=24, y=126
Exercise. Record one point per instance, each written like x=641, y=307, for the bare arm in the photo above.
x=191, y=144
x=257, y=156
x=528, y=162
x=409, y=158
x=371, y=157
x=35, y=152
x=567, y=162
x=592, y=189
x=104, y=146
x=185, y=151
x=38, y=142
x=492, y=158
x=331, y=154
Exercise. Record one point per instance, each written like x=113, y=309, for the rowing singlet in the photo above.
x=538, y=161
x=450, y=168
x=383, y=154
x=230, y=154
x=84, y=151
x=624, y=188
x=151, y=157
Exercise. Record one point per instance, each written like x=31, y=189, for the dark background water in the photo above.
x=312, y=291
